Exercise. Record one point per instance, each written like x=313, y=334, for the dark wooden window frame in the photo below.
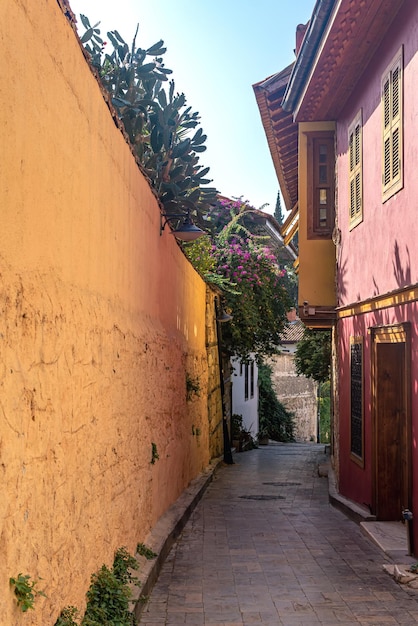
x=357, y=400
x=246, y=381
x=318, y=183
x=252, y=379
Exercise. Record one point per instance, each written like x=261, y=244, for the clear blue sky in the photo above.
x=217, y=50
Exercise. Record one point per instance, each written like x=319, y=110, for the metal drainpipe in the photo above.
x=317, y=24
x=227, y=442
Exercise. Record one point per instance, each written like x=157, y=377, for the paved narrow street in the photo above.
x=264, y=546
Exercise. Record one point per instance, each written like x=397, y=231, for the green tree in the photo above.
x=278, y=213
x=275, y=421
x=313, y=355
x=313, y=360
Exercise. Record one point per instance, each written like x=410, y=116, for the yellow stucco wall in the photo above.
x=100, y=319
x=316, y=257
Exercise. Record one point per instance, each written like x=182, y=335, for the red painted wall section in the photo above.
x=355, y=481
x=380, y=254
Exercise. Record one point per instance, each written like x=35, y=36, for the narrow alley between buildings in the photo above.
x=264, y=546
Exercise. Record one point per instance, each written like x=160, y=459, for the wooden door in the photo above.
x=391, y=424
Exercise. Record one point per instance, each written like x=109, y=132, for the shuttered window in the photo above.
x=392, y=81
x=355, y=144
x=248, y=380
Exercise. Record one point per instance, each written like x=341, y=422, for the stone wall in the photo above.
x=215, y=413
x=298, y=394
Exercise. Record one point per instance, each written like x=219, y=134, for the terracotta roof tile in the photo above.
x=293, y=332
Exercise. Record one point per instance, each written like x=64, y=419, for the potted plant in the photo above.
x=263, y=437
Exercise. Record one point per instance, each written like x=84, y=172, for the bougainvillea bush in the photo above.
x=253, y=284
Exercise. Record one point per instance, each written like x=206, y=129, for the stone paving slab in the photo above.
x=391, y=537
x=265, y=547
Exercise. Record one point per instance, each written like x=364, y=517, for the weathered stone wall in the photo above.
x=298, y=394
x=215, y=413
x=101, y=320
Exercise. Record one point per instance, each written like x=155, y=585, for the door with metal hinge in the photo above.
x=391, y=421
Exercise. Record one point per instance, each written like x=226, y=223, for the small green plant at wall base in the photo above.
x=67, y=617
x=192, y=387
x=108, y=597
x=107, y=601
x=25, y=591
x=154, y=453
x=143, y=550
x=122, y=564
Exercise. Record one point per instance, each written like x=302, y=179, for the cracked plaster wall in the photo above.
x=100, y=318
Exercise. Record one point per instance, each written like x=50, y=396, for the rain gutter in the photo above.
x=307, y=53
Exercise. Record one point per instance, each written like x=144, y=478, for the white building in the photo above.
x=245, y=393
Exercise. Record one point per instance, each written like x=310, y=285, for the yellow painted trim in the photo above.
x=291, y=233
x=397, y=333
x=396, y=298
x=290, y=218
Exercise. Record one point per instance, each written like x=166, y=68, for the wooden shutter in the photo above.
x=356, y=170
x=392, y=176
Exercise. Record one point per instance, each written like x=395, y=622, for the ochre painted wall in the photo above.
x=316, y=257
x=101, y=319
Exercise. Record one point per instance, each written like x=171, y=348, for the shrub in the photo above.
x=109, y=593
x=275, y=421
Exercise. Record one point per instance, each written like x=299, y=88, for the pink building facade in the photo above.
x=352, y=89
x=377, y=276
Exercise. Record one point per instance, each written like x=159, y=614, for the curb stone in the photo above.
x=163, y=535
